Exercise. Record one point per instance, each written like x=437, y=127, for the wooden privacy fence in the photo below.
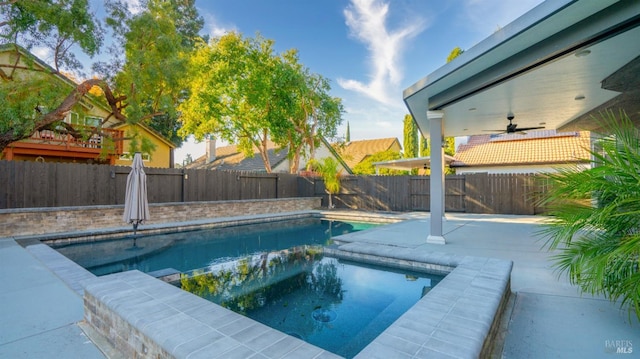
x=470, y=193
x=35, y=184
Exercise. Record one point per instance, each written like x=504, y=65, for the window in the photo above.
x=92, y=121
x=72, y=118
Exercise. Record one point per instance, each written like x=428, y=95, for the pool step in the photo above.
x=166, y=274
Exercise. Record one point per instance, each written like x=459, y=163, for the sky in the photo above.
x=371, y=50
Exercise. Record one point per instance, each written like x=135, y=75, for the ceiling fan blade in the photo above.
x=528, y=128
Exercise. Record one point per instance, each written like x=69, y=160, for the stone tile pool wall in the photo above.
x=31, y=221
x=145, y=317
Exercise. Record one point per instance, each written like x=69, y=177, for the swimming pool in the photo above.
x=468, y=300
x=189, y=250
x=340, y=306
x=274, y=273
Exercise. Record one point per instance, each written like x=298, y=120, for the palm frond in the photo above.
x=595, y=223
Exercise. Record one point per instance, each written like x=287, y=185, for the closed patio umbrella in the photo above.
x=136, y=205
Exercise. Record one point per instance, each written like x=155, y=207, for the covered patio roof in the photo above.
x=550, y=68
x=407, y=164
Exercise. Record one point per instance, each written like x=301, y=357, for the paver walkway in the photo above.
x=39, y=312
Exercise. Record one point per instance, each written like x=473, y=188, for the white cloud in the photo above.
x=134, y=6
x=367, y=21
x=214, y=27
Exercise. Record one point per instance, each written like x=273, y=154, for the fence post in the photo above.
x=183, y=184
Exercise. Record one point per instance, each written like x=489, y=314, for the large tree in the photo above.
x=56, y=25
x=244, y=92
x=157, y=43
x=234, y=93
x=410, y=143
x=316, y=114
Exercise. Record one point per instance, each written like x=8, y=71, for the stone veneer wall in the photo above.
x=33, y=221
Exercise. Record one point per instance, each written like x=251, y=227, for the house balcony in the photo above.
x=47, y=145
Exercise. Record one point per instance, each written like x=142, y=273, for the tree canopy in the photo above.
x=245, y=93
x=160, y=69
x=157, y=43
x=57, y=26
x=317, y=115
x=410, y=143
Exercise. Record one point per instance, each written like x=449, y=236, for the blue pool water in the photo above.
x=274, y=273
x=186, y=251
x=337, y=305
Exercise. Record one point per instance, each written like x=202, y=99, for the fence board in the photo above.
x=419, y=193
x=455, y=194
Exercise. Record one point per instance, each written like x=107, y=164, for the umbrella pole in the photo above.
x=135, y=228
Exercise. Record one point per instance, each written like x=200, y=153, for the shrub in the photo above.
x=598, y=240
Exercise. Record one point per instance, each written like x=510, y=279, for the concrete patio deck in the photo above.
x=548, y=317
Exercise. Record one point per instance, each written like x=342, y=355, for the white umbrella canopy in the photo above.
x=136, y=205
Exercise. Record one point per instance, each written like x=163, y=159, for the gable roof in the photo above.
x=355, y=152
x=231, y=158
x=534, y=148
x=336, y=155
x=150, y=130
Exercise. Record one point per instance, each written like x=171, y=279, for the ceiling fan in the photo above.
x=513, y=127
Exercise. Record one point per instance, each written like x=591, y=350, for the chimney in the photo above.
x=211, y=148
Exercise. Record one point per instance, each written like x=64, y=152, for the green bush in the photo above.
x=595, y=216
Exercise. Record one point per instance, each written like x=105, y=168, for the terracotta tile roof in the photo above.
x=230, y=158
x=355, y=152
x=536, y=147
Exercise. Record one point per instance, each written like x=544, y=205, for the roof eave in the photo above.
x=471, y=56
x=509, y=47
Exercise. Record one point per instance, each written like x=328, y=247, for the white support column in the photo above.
x=436, y=189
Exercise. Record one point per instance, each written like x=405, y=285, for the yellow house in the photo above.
x=160, y=157
x=84, y=145
x=50, y=146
